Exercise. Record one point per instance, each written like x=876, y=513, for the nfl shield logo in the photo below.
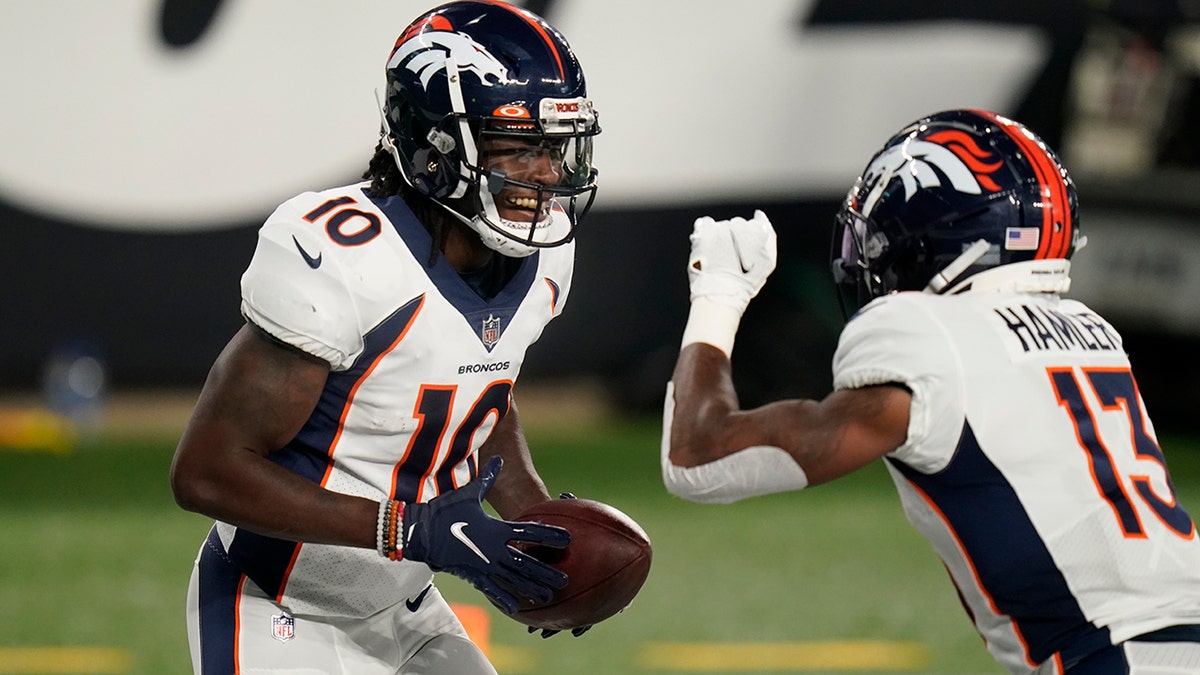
x=491, y=331
x=283, y=627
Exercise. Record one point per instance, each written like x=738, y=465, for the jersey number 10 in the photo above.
x=423, y=457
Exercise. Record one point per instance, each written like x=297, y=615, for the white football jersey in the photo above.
x=422, y=369
x=1032, y=468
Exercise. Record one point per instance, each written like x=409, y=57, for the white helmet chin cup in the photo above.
x=509, y=237
x=500, y=243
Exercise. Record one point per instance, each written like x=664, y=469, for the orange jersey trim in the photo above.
x=237, y=626
x=974, y=573
x=341, y=427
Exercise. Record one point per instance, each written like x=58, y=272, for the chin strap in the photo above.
x=385, y=139
x=459, y=107
x=950, y=273
x=1031, y=276
x=389, y=145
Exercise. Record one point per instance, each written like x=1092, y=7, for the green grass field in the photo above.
x=95, y=558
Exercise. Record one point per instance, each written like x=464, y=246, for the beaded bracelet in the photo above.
x=381, y=527
x=390, y=523
x=396, y=550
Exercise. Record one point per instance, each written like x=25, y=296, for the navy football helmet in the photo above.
x=472, y=70
x=949, y=196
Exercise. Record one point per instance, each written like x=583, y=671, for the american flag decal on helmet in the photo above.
x=1021, y=239
x=1056, y=235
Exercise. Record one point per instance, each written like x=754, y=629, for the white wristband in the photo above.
x=712, y=323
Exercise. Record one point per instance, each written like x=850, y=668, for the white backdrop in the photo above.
x=104, y=125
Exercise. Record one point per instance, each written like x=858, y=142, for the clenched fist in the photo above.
x=731, y=259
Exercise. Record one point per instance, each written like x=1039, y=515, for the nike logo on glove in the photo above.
x=413, y=604
x=312, y=262
x=457, y=530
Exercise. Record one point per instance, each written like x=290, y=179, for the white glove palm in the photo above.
x=731, y=259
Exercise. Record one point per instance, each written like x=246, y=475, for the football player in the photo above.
x=347, y=434
x=1007, y=415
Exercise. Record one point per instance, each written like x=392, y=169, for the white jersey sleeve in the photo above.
x=893, y=341
x=294, y=290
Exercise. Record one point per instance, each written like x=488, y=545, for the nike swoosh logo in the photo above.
x=457, y=530
x=414, y=604
x=312, y=262
x=736, y=252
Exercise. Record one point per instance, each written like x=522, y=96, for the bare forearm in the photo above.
x=518, y=486
x=254, y=493
x=704, y=400
x=256, y=399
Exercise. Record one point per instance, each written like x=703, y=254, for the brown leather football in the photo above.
x=606, y=563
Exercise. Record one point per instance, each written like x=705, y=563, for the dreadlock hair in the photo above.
x=387, y=181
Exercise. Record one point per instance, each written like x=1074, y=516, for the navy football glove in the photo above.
x=452, y=533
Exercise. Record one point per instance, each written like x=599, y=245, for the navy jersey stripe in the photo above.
x=263, y=559
x=266, y=560
x=458, y=292
x=322, y=426
x=219, y=581
x=1107, y=660
x=1013, y=563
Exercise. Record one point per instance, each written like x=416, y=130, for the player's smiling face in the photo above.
x=525, y=160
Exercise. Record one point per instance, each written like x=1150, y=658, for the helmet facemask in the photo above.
x=868, y=264
x=865, y=260
x=502, y=171
x=451, y=169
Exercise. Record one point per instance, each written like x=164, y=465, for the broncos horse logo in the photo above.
x=428, y=46
x=923, y=163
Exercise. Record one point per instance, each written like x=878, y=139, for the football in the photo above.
x=606, y=563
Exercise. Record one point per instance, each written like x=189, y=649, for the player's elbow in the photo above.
x=750, y=472
x=191, y=491
x=695, y=484
x=186, y=496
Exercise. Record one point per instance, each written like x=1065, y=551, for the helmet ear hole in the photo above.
x=917, y=264
x=840, y=269
x=432, y=174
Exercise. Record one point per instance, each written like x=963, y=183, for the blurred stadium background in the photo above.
x=144, y=141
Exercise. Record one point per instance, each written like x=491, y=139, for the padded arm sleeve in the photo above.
x=750, y=472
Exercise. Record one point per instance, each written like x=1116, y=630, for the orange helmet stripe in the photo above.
x=1055, y=241
x=536, y=26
